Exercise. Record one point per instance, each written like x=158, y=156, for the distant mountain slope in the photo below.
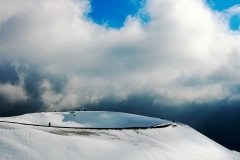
x=174, y=142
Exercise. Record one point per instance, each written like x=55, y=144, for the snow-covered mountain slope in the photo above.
x=172, y=142
x=94, y=119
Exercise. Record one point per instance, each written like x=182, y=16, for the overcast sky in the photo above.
x=69, y=54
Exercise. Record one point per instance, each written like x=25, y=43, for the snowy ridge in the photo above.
x=173, y=142
x=90, y=119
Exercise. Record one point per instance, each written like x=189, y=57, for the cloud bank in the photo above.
x=185, y=53
x=14, y=92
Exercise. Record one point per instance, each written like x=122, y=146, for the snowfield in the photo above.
x=90, y=119
x=165, y=142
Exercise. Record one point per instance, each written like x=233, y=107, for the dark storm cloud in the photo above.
x=9, y=75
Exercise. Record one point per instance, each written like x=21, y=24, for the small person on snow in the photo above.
x=49, y=124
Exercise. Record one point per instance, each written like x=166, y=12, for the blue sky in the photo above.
x=221, y=5
x=113, y=13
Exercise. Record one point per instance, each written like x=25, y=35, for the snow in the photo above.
x=175, y=142
x=94, y=119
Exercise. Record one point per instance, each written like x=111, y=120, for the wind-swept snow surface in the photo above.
x=94, y=119
x=173, y=142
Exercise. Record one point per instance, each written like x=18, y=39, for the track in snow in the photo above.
x=124, y=128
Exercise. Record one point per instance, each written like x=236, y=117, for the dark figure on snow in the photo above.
x=49, y=124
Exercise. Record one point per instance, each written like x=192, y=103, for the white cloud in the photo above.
x=233, y=10
x=71, y=96
x=13, y=93
x=184, y=38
